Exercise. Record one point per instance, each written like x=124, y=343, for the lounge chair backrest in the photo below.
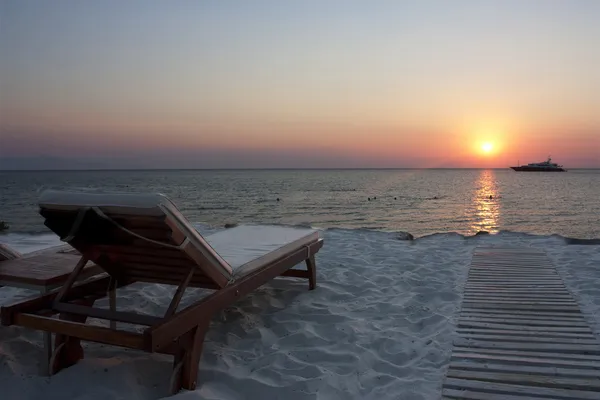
x=138, y=237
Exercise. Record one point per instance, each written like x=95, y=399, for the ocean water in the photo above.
x=421, y=202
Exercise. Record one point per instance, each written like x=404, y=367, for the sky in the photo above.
x=298, y=84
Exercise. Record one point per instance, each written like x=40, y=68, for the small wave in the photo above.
x=26, y=242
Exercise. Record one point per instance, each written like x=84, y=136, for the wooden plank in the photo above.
x=574, y=317
x=540, y=333
x=512, y=275
x=127, y=250
x=80, y=330
x=532, y=307
x=520, y=301
x=119, y=316
x=490, y=285
x=472, y=324
x=516, y=297
x=156, y=259
x=552, y=286
x=510, y=260
x=524, y=266
x=296, y=273
x=527, y=360
x=527, y=338
x=193, y=283
x=562, y=294
x=538, y=277
x=523, y=322
x=95, y=287
x=529, y=264
x=500, y=297
x=514, y=389
x=525, y=294
x=489, y=366
x=515, y=268
x=533, y=380
x=516, y=281
x=541, y=347
x=512, y=271
x=523, y=312
x=525, y=353
x=477, y=395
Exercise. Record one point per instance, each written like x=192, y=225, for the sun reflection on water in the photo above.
x=486, y=204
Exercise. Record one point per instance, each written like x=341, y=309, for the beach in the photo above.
x=380, y=325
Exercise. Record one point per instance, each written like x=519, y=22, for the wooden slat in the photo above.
x=517, y=299
x=527, y=322
x=532, y=307
x=527, y=379
x=553, y=348
x=82, y=331
x=520, y=293
x=525, y=353
x=119, y=316
x=527, y=338
x=514, y=390
x=528, y=369
x=540, y=286
x=471, y=395
x=296, y=273
x=548, y=314
x=475, y=324
x=538, y=333
x=573, y=317
x=96, y=287
x=550, y=361
x=43, y=269
x=516, y=281
x=492, y=297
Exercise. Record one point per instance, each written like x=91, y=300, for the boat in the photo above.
x=545, y=166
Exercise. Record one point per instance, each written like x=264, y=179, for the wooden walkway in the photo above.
x=521, y=334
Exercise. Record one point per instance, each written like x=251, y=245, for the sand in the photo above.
x=379, y=326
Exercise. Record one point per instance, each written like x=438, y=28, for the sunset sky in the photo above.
x=213, y=84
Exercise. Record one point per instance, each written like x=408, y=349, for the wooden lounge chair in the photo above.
x=42, y=271
x=144, y=238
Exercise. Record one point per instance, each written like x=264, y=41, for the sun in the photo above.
x=487, y=147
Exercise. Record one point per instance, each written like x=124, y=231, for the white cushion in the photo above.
x=235, y=252
x=135, y=203
x=249, y=247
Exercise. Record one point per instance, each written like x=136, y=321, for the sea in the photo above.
x=418, y=201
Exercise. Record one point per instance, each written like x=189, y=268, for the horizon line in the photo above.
x=271, y=169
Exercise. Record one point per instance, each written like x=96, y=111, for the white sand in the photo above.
x=379, y=326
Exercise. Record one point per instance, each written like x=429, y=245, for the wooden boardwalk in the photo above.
x=521, y=334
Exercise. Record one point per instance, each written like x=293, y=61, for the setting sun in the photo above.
x=487, y=147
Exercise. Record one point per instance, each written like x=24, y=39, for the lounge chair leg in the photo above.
x=47, y=343
x=185, y=364
x=311, y=266
x=112, y=299
x=68, y=350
